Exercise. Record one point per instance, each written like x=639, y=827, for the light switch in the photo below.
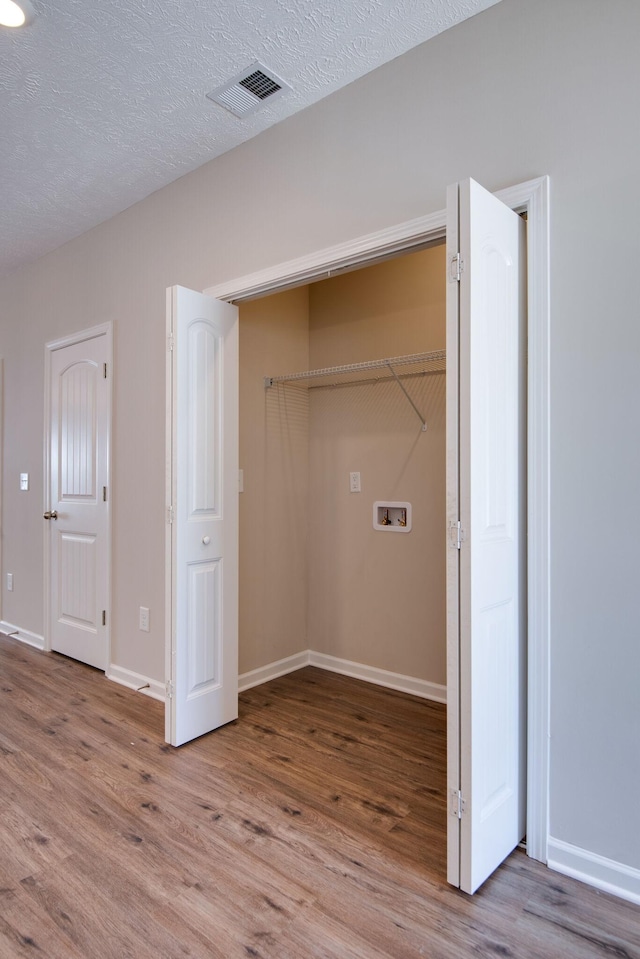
x=24, y=481
x=354, y=483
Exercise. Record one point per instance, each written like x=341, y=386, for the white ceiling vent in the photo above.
x=249, y=90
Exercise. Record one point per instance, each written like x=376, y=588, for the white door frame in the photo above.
x=104, y=329
x=531, y=197
x=1, y=475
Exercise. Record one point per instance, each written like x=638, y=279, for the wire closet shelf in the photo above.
x=411, y=365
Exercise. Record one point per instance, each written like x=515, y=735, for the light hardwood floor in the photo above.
x=312, y=827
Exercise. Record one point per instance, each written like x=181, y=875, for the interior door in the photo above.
x=487, y=634
x=77, y=510
x=202, y=586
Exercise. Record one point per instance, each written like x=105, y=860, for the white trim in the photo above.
x=264, y=674
x=2, y=580
x=452, y=521
x=532, y=197
x=106, y=330
x=72, y=338
x=538, y=520
x=22, y=635
x=334, y=259
x=369, y=674
x=142, y=684
x=169, y=570
x=606, y=874
x=380, y=677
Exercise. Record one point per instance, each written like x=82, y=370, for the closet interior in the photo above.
x=342, y=386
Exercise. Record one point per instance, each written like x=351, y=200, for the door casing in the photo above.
x=106, y=330
x=530, y=197
x=1, y=465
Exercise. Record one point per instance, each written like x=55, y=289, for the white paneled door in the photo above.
x=487, y=619
x=76, y=509
x=202, y=543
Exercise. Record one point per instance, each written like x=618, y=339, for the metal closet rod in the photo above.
x=389, y=363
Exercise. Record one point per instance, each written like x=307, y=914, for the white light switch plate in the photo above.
x=354, y=483
x=24, y=481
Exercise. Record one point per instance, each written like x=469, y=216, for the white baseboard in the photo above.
x=255, y=677
x=150, y=687
x=605, y=874
x=22, y=635
x=380, y=677
x=142, y=684
x=370, y=674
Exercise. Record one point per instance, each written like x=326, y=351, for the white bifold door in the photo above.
x=202, y=515
x=486, y=641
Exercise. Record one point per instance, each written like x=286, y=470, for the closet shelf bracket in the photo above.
x=413, y=405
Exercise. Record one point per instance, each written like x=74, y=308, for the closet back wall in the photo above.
x=313, y=572
x=378, y=598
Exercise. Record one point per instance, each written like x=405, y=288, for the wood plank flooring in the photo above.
x=312, y=827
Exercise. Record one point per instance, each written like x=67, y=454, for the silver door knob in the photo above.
x=50, y=514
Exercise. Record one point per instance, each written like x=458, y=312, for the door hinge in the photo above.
x=456, y=266
x=104, y=370
x=456, y=535
x=104, y=494
x=170, y=514
x=170, y=689
x=104, y=617
x=170, y=342
x=457, y=803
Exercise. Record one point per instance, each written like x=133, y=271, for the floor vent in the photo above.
x=249, y=90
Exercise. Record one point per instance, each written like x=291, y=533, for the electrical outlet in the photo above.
x=144, y=619
x=24, y=481
x=354, y=483
x=10, y=582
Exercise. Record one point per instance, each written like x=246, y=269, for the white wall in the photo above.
x=524, y=89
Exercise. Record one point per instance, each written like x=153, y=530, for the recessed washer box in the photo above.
x=392, y=517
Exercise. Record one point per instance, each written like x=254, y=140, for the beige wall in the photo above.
x=378, y=598
x=274, y=455
x=313, y=572
x=526, y=88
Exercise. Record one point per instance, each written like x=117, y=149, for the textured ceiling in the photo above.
x=103, y=101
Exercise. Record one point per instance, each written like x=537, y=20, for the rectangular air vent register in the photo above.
x=249, y=90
